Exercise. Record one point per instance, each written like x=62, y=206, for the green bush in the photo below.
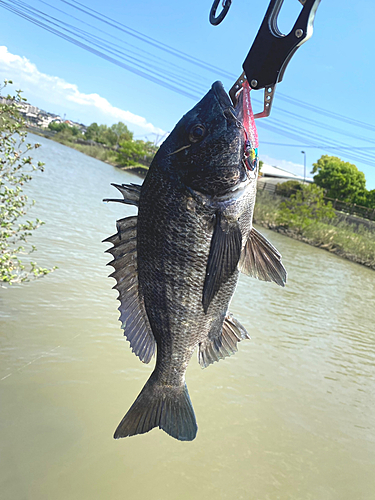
x=15, y=171
x=136, y=153
x=288, y=188
x=304, y=208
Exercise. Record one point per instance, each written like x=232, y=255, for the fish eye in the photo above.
x=196, y=133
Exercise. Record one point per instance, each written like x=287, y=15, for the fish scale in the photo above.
x=192, y=236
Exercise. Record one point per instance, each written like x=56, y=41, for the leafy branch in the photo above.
x=16, y=167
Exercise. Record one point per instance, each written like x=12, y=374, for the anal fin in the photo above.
x=224, y=345
x=261, y=260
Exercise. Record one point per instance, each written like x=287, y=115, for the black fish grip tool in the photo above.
x=271, y=50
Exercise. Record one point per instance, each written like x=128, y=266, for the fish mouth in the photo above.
x=233, y=113
x=241, y=116
x=221, y=95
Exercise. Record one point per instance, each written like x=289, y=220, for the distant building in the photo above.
x=31, y=118
x=275, y=175
x=4, y=101
x=38, y=117
x=44, y=121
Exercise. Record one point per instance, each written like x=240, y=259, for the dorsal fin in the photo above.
x=261, y=260
x=223, y=344
x=133, y=316
x=130, y=192
x=225, y=252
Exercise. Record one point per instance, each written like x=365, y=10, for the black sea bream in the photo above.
x=177, y=263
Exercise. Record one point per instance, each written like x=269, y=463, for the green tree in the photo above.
x=58, y=126
x=92, y=132
x=15, y=170
x=65, y=131
x=110, y=136
x=121, y=132
x=370, y=199
x=136, y=153
x=288, y=188
x=341, y=180
x=304, y=208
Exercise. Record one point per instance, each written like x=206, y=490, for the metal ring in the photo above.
x=217, y=20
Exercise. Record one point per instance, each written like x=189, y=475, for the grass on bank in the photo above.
x=98, y=152
x=356, y=243
x=347, y=240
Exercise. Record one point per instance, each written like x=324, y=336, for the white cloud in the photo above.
x=55, y=90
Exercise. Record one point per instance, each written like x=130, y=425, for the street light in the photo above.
x=304, y=169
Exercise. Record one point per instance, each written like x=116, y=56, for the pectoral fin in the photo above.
x=225, y=344
x=225, y=252
x=261, y=260
x=130, y=193
x=133, y=315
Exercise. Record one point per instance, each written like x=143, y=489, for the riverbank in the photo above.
x=353, y=242
x=90, y=148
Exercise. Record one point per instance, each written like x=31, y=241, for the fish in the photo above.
x=178, y=261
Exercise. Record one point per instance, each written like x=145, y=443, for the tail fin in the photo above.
x=166, y=407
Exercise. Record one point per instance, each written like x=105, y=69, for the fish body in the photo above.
x=177, y=264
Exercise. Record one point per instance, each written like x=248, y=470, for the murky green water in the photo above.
x=290, y=416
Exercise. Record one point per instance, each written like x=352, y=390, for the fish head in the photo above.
x=209, y=148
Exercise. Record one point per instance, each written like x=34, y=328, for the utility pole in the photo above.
x=304, y=165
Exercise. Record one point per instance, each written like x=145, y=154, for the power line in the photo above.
x=324, y=144
x=147, y=39
x=102, y=44
x=193, y=60
x=70, y=39
x=148, y=54
x=173, y=80
x=325, y=112
x=315, y=146
x=103, y=18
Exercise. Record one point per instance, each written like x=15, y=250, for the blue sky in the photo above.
x=333, y=71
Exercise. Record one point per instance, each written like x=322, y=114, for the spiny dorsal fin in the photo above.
x=133, y=315
x=261, y=260
x=225, y=252
x=225, y=344
x=130, y=192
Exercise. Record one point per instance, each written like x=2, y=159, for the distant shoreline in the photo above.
x=351, y=241
x=89, y=148
x=265, y=213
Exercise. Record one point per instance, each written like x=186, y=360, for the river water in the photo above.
x=290, y=416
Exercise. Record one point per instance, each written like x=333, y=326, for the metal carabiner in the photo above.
x=217, y=20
